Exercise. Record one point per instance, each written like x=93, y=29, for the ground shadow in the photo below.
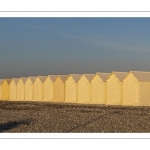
x=13, y=124
x=86, y=123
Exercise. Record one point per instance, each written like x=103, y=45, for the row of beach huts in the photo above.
x=116, y=88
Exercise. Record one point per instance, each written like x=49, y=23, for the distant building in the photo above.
x=137, y=89
x=39, y=88
x=5, y=89
x=21, y=88
x=13, y=89
x=1, y=82
x=84, y=88
x=59, y=88
x=29, y=88
x=98, y=88
x=115, y=88
x=71, y=88
x=49, y=88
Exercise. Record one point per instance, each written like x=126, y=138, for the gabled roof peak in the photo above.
x=118, y=72
x=63, y=77
x=120, y=75
x=89, y=76
x=141, y=76
x=42, y=78
x=8, y=80
x=139, y=72
x=15, y=80
x=24, y=79
x=52, y=77
x=32, y=79
x=1, y=81
x=76, y=77
x=103, y=76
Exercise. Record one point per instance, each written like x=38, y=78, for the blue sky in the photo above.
x=43, y=46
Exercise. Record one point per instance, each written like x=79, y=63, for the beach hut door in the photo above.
x=136, y=93
x=51, y=91
x=101, y=91
x=22, y=91
x=73, y=92
x=61, y=92
x=15, y=92
x=0, y=91
x=87, y=92
x=40, y=91
x=117, y=93
x=30, y=92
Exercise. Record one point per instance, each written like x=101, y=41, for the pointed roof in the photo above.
x=120, y=75
x=15, y=80
x=42, y=78
x=8, y=80
x=76, y=77
x=24, y=79
x=63, y=77
x=52, y=77
x=103, y=76
x=32, y=79
x=89, y=76
x=141, y=76
x=1, y=81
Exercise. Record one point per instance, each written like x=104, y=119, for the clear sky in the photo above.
x=44, y=46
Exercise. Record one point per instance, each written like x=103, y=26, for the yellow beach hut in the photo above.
x=29, y=88
x=6, y=89
x=1, y=82
x=84, y=88
x=48, y=88
x=21, y=88
x=39, y=88
x=59, y=88
x=115, y=88
x=13, y=89
x=137, y=88
x=98, y=88
x=71, y=88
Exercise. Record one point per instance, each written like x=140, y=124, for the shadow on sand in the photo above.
x=13, y=124
x=86, y=123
